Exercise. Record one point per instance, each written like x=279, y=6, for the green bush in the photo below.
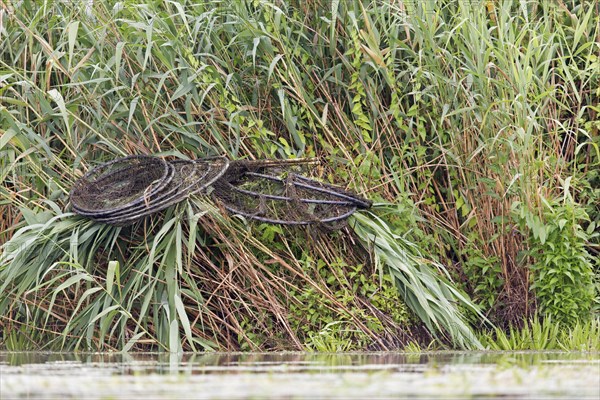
x=562, y=276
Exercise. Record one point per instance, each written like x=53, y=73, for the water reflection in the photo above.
x=300, y=375
x=194, y=363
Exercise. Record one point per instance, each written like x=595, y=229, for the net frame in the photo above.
x=103, y=173
x=345, y=203
x=177, y=191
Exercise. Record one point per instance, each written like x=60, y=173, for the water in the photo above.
x=515, y=375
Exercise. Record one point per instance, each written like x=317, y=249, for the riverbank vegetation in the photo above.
x=473, y=125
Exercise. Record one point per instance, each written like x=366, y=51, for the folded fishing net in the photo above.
x=119, y=185
x=125, y=190
x=189, y=177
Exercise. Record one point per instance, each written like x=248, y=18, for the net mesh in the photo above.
x=271, y=192
x=119, y=184
x=128, y=189
x=189, y=177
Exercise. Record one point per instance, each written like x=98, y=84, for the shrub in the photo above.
x=560, y=265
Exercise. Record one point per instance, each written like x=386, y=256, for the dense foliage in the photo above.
x=478, y=120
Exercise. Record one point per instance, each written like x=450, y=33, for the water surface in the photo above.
x=512, y=375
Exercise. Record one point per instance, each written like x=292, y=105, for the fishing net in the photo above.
x=189, y=177
x=267, y=193
x=123, y=191
x=120, y=184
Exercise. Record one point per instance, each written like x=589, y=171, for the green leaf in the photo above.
x=82, y=276
x=6, y=136
x=131, y=342
x=184, y=320
x=118, y=55
x=561, y=223
x=72, y=29
x=112, y=272
x=174, y=344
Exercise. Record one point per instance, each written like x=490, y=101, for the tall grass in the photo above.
x=545, y=335
x=462, y=108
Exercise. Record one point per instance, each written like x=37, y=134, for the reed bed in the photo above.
x=477, y=121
